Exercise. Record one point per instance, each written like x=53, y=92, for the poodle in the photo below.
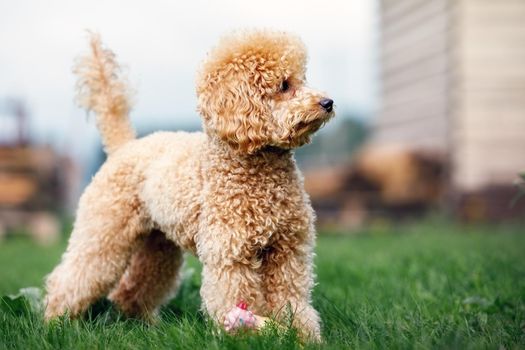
x=232, y=195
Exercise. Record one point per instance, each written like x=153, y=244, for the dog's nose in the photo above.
x=327, y=104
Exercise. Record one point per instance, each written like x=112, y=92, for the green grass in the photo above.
x=427, y=285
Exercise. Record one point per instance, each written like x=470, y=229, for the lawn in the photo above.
x=426, y=285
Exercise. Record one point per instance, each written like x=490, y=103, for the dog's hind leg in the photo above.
x=151, y=277
x=109, y=223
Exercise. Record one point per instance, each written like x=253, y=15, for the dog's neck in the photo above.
x=269, y=156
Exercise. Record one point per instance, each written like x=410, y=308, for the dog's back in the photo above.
x=171, y=164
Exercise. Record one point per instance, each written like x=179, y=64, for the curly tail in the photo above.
x=102, y=89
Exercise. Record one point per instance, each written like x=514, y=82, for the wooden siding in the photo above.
x=489, y=97
x=453, y=79
x=414, y=73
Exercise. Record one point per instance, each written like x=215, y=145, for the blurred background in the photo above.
x=430, y=101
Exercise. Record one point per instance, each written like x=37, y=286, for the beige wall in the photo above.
x=489, y=95
x=453, y=79
x=414, y=73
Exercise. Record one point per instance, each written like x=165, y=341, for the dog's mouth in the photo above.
x=308, y=127
x=313, y=125
x=300, y=133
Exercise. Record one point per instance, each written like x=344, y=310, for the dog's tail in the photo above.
x=101, y=88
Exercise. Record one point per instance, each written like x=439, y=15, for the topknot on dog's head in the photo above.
x=238, y=80
x=270, y=55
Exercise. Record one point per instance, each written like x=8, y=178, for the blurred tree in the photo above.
x=520, y=183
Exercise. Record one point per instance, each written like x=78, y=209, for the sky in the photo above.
x=161, y=43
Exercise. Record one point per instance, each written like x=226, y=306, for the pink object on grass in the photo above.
x=240, y=317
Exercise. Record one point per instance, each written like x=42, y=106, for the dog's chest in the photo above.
x=261, y=206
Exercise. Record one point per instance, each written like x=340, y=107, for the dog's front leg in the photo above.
x=230, y=274
x=288, y=279
x=223, y=286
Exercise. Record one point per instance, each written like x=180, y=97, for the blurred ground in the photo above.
x=429, y=284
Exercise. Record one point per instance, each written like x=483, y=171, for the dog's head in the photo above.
x=252, y=92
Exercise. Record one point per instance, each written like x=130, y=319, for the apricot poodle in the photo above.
x=232, y=195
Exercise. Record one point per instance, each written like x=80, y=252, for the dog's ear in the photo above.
x=232, y=108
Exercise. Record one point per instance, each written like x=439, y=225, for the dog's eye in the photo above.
x=285, y=86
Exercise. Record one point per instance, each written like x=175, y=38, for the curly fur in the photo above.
x=232, y=195
x=102, y=89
